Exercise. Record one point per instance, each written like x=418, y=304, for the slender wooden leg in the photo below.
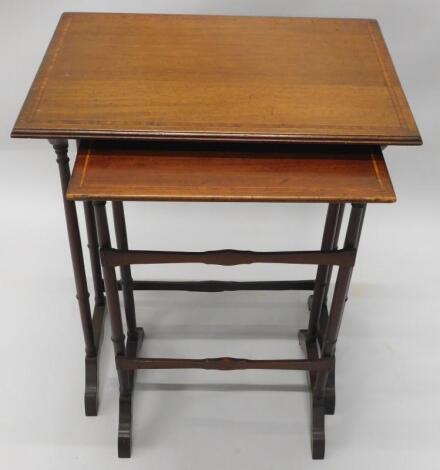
x=318, y=301
x=126, y=278
x=332, y=329
x=92, y=244
x=114, y=308
x=323, y=275
x=316, y=345
x=133, y=332
x=334, y=246
x=311, y=350
x=125, y=401
x=92, y=369
x=91, y=390
x=318, y=430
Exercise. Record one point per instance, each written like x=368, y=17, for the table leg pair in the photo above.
x=318, y=341
x=92, y=323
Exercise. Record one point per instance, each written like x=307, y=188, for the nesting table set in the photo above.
x=216, y=108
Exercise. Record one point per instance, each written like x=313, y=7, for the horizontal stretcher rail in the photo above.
x=221, y=286
x=224, y=363
x=113, y=257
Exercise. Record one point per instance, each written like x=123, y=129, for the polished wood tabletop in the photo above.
x=136, y=76
x=234, y=172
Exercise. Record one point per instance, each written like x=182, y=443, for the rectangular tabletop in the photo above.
x=133, y=76
x=234, y=172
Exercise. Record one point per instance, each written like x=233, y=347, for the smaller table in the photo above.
x=119, y=171
x=229, y=172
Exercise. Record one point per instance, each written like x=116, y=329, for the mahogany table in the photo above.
x=207, y=79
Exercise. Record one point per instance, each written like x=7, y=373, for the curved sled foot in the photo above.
x=318, y=432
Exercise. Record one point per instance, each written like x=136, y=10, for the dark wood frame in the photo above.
x=92, y=319
x=318, y=341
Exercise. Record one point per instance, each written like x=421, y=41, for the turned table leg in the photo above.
x=318, y=301
x=330, y=335
x=126, y=278
x=126, y=284
x=128, y=349
x=92, y=369
x=91, y=326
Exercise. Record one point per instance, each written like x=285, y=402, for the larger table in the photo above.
x=206, y=78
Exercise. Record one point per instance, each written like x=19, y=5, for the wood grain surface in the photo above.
x=135, y=76
x=234, y=172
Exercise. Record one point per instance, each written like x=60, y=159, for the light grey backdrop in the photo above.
x=192, y=420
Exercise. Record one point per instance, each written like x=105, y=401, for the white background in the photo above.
x=388, y=409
